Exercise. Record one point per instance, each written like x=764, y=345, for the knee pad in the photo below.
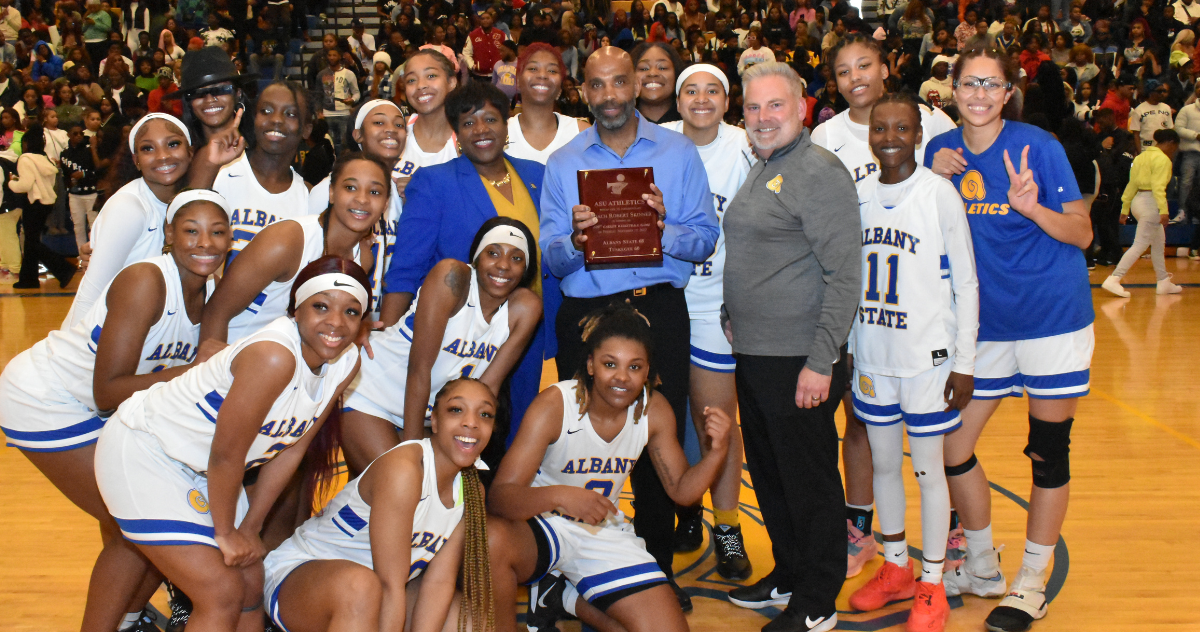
x=1051, y=442
x=962, y=468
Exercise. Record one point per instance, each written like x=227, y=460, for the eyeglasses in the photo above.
x=989, y=84
x=218, y=90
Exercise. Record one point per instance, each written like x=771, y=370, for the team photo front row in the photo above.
x=397, y=333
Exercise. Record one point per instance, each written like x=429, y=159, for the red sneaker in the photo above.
x=930, y=610
x=890, y=583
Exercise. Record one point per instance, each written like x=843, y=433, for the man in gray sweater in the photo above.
x=792, y=279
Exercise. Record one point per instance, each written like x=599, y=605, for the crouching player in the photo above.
x=576, y=446
x=914, y=352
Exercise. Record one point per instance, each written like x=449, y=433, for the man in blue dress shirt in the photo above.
x=621, y=138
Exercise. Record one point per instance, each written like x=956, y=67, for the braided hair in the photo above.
x=478, y=609
x=617, y=320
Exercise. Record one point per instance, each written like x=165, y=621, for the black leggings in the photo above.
x=33, y=222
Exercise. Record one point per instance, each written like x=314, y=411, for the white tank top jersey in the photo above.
x=727, y=160
x=580, y=458
x=171, y=341
x=914, y=234
x=468, y=348
x=385, y=235
x=518, y=147
x=343, y=530
x=134, y=198
x=255, y=208
x=849, y=141
x=182, y=413
x=414, y=157
x=272, y=302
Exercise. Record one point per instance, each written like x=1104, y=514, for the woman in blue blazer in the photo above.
x=446, y=204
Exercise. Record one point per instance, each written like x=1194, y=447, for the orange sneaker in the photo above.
x=930, y=610
x=890, y=583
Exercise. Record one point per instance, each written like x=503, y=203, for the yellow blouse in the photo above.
x=520, y=209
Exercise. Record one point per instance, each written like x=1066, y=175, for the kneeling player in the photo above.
x=576, y=446
x=914, y=351
x=347, y=569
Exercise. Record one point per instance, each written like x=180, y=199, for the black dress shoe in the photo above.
x=689, y=534
x=685, y=600
x=762, y=593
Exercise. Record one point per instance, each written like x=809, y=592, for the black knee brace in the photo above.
x=962, y=468
x=1051, y=442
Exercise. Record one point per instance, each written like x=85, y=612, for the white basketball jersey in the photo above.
x=182, y=413
x=849, y=141
x=727, y=160
x=272, y=302
x=580, y=458
x=343, y=530
x=171, y=341
x=468, y=347
x=384, y=235
x=907, y=321
x=518, y=147
x=149, y=213
x=414, y=157
x=255, y=208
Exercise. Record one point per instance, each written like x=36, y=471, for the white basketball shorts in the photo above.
x=1055, y=367
x=918, y=401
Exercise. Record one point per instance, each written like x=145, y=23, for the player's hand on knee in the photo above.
x=585, y=505
x=812, y=388
x=959, y=389
x=208, y=349
x=717, y=426
x=240, y=549
x=949, y=162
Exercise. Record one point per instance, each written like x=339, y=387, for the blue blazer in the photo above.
x=443, y=209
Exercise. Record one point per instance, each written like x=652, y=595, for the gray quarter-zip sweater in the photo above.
x=792, y=248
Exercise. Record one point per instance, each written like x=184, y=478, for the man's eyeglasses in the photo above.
x=219, y=90
x=989, y=84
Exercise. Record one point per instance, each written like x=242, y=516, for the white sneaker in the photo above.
x=977, y=576
x=1167, y=287
x=1025, y=603
x=1113, y=285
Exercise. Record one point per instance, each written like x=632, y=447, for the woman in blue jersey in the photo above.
x=386, y=552
x=467, y=320
x=1029, y=227
x=170, y=464
x=254, y=291
x=143, y=329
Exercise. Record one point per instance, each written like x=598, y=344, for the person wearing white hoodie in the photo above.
x=35, y=177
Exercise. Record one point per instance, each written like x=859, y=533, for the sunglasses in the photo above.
x=211, y=91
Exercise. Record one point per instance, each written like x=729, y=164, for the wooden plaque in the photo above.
x=627, y=232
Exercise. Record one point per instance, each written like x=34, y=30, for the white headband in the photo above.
x=503, y=234
x=695, y=68
x=150, y=117
x=332, y=281
x=368, y=107
x=187, y=197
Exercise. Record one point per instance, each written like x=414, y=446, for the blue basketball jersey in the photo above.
x=1030, y=284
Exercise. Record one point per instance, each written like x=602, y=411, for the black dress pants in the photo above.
x=664, y=306
x=792, y=455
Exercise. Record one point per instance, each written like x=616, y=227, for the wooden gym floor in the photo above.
x=1135, y=489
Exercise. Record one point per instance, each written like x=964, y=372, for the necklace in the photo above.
x=502, y=181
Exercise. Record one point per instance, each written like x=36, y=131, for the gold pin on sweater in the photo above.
x=776, y=184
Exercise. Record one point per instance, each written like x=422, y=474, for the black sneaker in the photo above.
x=732, y=563
x=685, y=600
x=181, y=608
x=762, y=593
x=689, y=534
x=546, y=603
x=145, y=623
x=793, y=621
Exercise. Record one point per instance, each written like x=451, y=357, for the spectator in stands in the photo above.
x=166, y=85
x=482, y=50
